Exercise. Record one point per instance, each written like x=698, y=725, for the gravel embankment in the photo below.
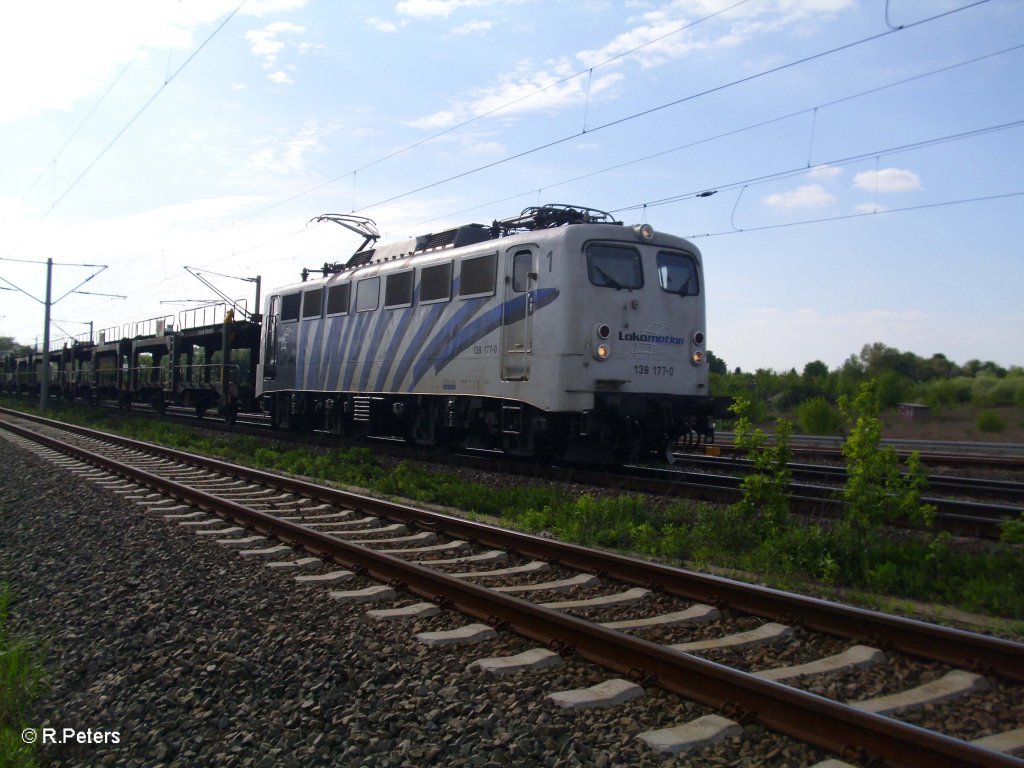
x=196, y=657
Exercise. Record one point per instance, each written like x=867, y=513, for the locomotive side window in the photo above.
x=477, y=276
x=398, y=289
x=313, y=303
x=338, y=298
x=677, y=273
x=614, y=266
x=290, y=307
x=367, y=294
x=436, y=283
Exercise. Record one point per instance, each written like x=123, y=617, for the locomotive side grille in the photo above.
x=436, y=240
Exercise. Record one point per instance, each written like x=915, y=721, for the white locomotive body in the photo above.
x=549, y=334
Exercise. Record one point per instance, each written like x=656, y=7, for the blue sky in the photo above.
x=865, y=157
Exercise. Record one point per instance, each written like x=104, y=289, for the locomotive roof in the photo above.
x=540, y=222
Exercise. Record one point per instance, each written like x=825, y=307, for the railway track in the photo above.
x=936, y=453
x=978, y=512
x=822, y=474
x=624, y=615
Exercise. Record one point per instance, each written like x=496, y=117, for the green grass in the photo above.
x=789, y=553
x=22, y=679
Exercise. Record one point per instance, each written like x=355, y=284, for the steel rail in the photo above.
x=980, y=486
x=828, y=724
x=981, y=653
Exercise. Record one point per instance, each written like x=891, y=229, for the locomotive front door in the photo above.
x=517, y=320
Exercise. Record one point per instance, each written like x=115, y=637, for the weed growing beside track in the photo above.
x=780, y=550
x=22, y=679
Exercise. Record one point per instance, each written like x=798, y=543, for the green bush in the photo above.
x=992, y=392
x=940, y=393
x=990, y=421
x=818, y=417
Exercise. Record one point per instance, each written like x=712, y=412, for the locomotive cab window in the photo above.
x=677, y=273
x=338, y=298
x=398, y=290
x=522, y=264
x=614, y=266
x=436, y=283
x=312, y=303
x=477, y=276
x=367, y=294
x=290, y=307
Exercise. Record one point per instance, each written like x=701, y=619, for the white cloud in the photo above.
x=433, y=8
x=663, y=31
x=492, y=148
x=280, y=78
x=265, y=43
x=381, y=25
x=825, y=172
x=53, y=58
x=887, y=180
x=807, y=196
x=656, y=30
x=266, y=7
x=291, y=154
x=869, y=208
x=522, y=91
x=473, y=27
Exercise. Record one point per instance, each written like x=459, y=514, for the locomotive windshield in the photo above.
x=677, y=273
x=614, y=266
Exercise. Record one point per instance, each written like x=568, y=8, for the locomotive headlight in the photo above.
x=646, y=231
x=602, y=331
x=603, y=352
x=698, y=338
x=697, y=358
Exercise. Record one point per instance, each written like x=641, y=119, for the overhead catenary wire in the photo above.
x=140, y=112
x=725, y=134
x=860, y=214
x=630, y=117
x=673, y=103
x=860, y=157
x=451, y=129
x=56, y=155
x=565, y=139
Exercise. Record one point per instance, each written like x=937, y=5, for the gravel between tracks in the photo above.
x=196, y=657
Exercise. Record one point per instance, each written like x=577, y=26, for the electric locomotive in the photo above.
x=557, y=333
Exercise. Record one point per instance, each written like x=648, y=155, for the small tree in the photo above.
x=876, y=492
x=766, y=489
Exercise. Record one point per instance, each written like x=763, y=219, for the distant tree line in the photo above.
x=901, y=377
x=8, y=344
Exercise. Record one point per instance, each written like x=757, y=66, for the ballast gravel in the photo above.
x=196, y=656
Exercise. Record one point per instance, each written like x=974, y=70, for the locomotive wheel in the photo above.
x=668, y=452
